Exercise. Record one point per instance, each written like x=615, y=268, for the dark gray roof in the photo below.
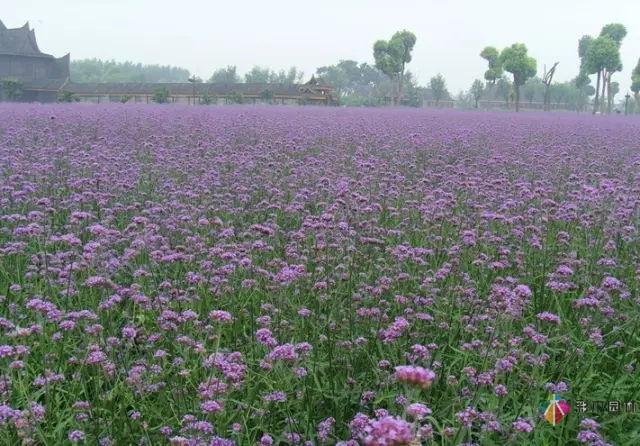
x=217, y=89
x=19, y=41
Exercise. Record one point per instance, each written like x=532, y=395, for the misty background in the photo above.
x=202, y=36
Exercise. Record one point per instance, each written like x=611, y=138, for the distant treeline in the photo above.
x=96, y=70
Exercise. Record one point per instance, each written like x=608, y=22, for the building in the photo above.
x=44, y=78
x=40, y=74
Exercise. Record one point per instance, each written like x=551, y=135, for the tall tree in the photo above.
x=438, y=87
x=635, y=83
x=585, y=90
x=602, y=56
x=392, y=56
x=228, y=75
x=516, y=61
x=477, y=88
x=617, y=32
x=492, y=56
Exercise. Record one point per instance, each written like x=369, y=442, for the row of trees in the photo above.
x=257, y=74
x=96, y=70
x=599, y=56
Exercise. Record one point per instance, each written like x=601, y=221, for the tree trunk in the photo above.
x=595, y=100
x=604, y=89
x=400, y=85
x=609, y=98
x=517, y=98
x=547, y=101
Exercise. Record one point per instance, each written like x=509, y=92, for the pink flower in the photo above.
x=415, y=375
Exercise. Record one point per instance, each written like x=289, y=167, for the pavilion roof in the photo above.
x=19, y=41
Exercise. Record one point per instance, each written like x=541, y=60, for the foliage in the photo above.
x=616, y=31
x=10, y=89
x=635, y=79
x=96, y=70
x=364, y=85
x=516, y=61
x=235, y=97
x=267, y=76
x=504, y=87
x=533, y=89
x=126, y=98
x=67, y=96
x=492, y=56
x=227, y=75
x=160, y=95
x=602, y=54
x=206, y=99
x=476, y=90
x=392, y=56
x=438, y=87
x=351, y=78
x=267, y=95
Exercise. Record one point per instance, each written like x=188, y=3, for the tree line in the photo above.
x=511, y=76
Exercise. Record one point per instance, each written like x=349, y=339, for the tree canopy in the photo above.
x=265, y=75
x=492, y=56
x=96, y=70
x=227, y=75
x=516, y=61
x=391, y=56
x=438, y=87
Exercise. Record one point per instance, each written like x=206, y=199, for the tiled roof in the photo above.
x=19, y=41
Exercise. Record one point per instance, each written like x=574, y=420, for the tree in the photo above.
x=160, y=95
x=354, y=83
x=226, y=75
x=438, y=87
x=635, y=83
x=267, y=96
x=515, y=60
x=11, y=89
x=392, y=56
x=601, y=57
x=258, y=75
x=617, y=32
x=583, y=85
x=67, y=96
x=533, y=87
x=415, y=94
x=492, y=56
x=503, y=89
x=477, y=88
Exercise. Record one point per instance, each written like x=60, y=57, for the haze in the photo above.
x=204, y=35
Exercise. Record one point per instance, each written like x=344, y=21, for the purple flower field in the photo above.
x=284, y=276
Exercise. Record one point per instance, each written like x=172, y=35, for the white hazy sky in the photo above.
x=201, y=35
